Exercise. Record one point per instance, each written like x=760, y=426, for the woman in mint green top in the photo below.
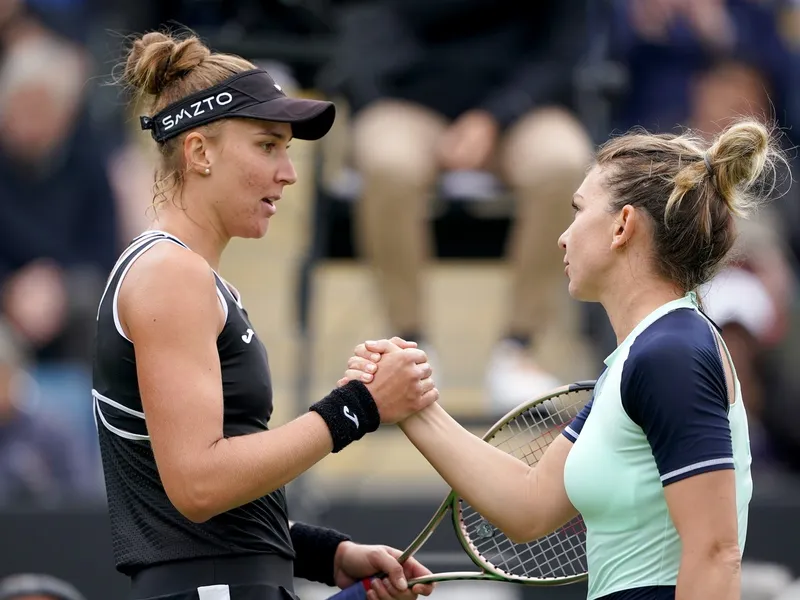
x=658, y=463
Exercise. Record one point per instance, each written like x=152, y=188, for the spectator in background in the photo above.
x=41, y=461
x=33, y=586
x=666, y=45
x=57, y=212
x=702, y=64
x=751, y=301
x=751, y=298
x=477, y=85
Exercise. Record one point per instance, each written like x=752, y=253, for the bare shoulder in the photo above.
x=170, y=266
x=168, y=285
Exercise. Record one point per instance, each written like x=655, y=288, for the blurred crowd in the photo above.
x=519, y=93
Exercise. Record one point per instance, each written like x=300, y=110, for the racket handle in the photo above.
x=357, y=591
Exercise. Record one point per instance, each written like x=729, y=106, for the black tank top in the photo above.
x=146, y=528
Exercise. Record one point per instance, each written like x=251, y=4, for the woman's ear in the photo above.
x=625, y=225
x=196, y=151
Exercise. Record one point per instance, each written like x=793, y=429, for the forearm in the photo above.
x=496, y=484
x=238, y=470
x=709, y=576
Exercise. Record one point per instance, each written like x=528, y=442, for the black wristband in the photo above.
x=350, y=413
x=315, y=549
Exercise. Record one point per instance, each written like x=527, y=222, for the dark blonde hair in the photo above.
x=692, y=191
x=161, y=69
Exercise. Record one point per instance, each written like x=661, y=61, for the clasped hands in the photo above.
x=402, y=385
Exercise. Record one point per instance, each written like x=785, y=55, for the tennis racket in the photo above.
x=556, y=559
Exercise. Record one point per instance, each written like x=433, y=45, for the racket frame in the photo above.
x=452, y=504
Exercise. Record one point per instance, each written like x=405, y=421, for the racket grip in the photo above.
x=357, y=591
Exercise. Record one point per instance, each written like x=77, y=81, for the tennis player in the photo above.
x=658, y=463
x=182, y=391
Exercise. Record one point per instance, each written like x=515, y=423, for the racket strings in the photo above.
x=559, y=558
x=559, y=554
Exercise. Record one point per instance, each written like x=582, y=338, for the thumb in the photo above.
x=381, y=346
x=388, y=564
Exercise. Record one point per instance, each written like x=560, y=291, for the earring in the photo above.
x=208, y=171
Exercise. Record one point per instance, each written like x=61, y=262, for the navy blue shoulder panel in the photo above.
x=673, y=387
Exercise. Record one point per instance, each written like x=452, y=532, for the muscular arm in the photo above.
x=524, y=503
x=703, y=509
x=170, y=310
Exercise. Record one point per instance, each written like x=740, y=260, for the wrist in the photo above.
x=318, y=552
x=427, y=415
x=349, y=412
x=341, y=550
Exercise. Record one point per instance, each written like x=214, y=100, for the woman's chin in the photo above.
x=577, y=292
x=263, y=227
x=573, y=291
x=254, y=230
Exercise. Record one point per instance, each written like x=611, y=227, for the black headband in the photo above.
x=251, y=94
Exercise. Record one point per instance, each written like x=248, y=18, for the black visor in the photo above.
x=251, y=94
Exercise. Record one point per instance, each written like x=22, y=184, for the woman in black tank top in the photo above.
x=182, y=389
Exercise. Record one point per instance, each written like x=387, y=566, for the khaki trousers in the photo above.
x=542, y=159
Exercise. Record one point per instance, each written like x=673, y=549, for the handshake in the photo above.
x=397, y=375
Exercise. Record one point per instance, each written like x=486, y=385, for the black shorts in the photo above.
x=258, y=577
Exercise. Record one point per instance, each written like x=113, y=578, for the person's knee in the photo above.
x=547, y=146
x=394, y=143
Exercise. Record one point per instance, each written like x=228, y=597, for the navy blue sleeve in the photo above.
x=673, y=386
x=573, y=430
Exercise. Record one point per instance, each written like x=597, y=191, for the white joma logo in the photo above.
x=349, y=415
x=248, y=336
x=196, y=109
